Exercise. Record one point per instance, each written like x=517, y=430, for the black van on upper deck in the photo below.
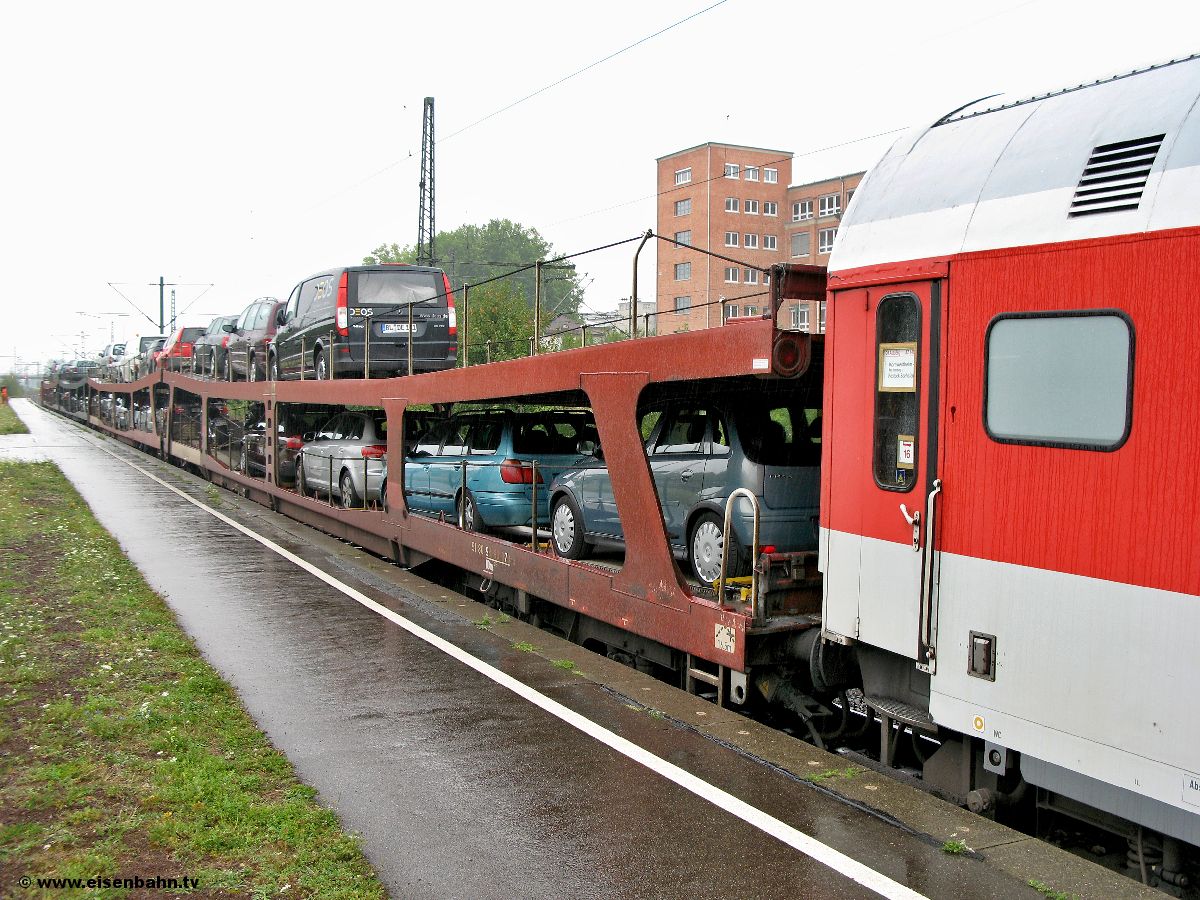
x=341, y=322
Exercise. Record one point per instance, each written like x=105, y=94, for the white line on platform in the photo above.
x=793, y=837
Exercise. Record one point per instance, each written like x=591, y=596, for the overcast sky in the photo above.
x=248, y=145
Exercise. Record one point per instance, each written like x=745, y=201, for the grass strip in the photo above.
x=9, y=422
x=122, y=751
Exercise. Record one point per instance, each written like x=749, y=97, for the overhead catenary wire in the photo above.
x=578, y=72
x=521, y=100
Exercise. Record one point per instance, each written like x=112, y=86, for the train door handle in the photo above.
x=915, y=521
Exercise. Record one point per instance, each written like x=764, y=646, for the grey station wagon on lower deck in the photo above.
x=759, y=435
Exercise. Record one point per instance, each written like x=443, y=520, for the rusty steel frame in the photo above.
x=648, y=596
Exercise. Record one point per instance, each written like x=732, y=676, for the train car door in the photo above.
x=880, y=484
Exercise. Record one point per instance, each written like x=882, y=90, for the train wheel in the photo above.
x=566, y=528
x=350, y=498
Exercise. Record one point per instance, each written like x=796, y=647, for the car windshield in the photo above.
x=779, y=434
x=398, y=288
x=553, y=434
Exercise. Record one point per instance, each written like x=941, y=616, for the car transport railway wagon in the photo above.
x=1007, y=559
x=1010, y=537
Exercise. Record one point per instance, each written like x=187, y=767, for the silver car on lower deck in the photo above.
x=345, y=459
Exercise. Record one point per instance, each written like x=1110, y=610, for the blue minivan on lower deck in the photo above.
x=506, y=453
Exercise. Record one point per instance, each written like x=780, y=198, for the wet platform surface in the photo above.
x=457, y=786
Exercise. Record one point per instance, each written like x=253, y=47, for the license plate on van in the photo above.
x=393, y=328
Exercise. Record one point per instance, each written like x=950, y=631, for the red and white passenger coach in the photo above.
x=1010, y=537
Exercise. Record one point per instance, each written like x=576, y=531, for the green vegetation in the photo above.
x=567, y=664
x=1046, y=891
x=485, y=622
x=123, y=752
x=525, y=647
x=213, y=494
x=954, y=847
x=846, y=772
x=9, y=423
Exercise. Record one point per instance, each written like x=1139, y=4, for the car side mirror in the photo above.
x=309, y=437
x=283, y=316
x=229, y=327
x=589, y=448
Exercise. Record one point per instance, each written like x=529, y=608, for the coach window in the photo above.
x=897, y=406
x=1060, y=379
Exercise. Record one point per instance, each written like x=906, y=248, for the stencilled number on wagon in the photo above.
x=725, y=640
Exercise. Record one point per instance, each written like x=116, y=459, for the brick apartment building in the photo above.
x=737, y=201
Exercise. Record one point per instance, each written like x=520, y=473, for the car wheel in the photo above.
x=273, y=368
x=566, y=529
x=228, y=370
x=705, y=550
x=468, y=513
x=319, y=366
x=301, y=481
x=251, y=370
x=244, y=462
x=383, y=494
x=350, y=498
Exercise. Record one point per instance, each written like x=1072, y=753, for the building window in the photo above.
x=829, y=205
x=800, y=317
x=750, y=311
x=731, y=239
x=731, y=274
x=751, y=207
x=770, y=242
x=731, y=170
x=821, y=316
x=683, y=271
x=825, y=239
x=752, y=173
x=751, y=276
x=682, y=304
x=683, y=176
x=770, y=208
x=1088, y=359
x=731, y=312
x=750, y=241
x=731, y=204
x=802, y=210
x=771, y=176
x=800, y=243
x=683, y=207
x=850, y=195
x=684, y=237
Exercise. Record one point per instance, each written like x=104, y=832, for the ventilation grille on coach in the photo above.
x=1115, y=176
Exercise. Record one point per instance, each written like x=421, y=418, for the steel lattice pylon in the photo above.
x=425, y=223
